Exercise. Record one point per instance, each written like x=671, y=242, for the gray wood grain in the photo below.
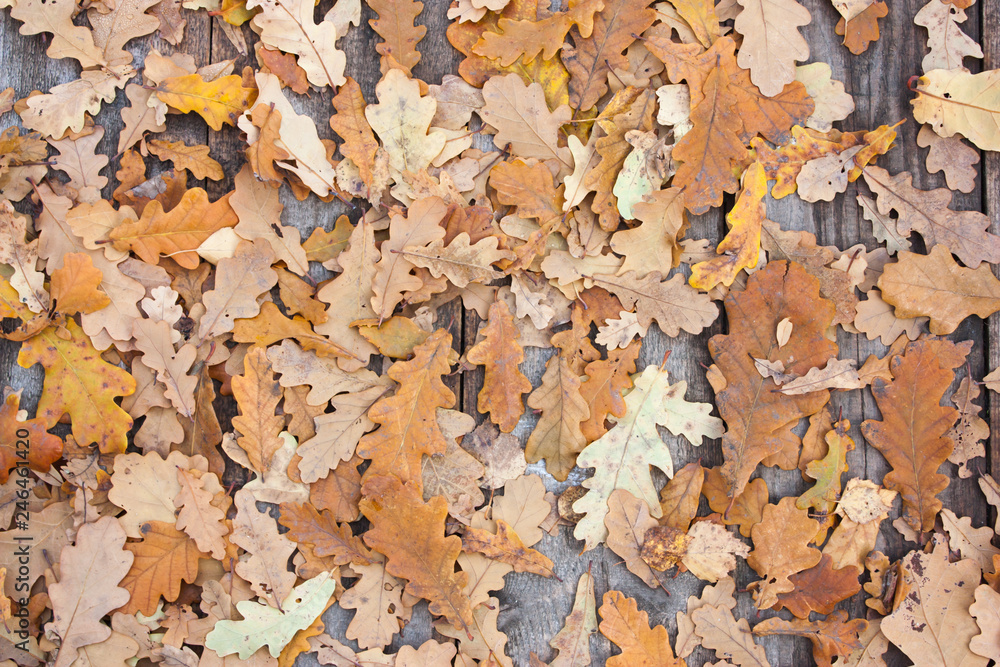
x=533, y=608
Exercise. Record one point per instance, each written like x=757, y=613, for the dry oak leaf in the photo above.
x=912, y=435
x=338, y=433
x=87, y=589
x=526, y=38
x=395, y=25
x=680, y=496
x=351, y=125
x=265, y=567
x=757, y=417
x=624, y=624
x=21, y=256
x=239, y=281
x=672, y=304
x=708, y=152
x=831, y=637
x=411, y=534
x=711, y=553
x=630, y=109
x=973, y=543
x=741, y=247
x=781, y=549
x=623, y=456
x=153, y=340
x=503, y=384
x=986, y=610
x=523, y=121
x=320, y=530
x=952, y=156
x=926, y=212
x=271, y=326
x=393, y=271
x=956, y=102
x=970, y=430
x=826, y=471
x=43, y=450
x=257, y=394
x=220, y=101
x=820, y=588
x=163, y=559
x=934, y=600
x=720, y=594
x=298, y=138
x=68, y=40
x=288, y=26
x=65, y=107
x=745, y=510
x=784, y=163
x=572, y=642
x=655, y=242
x=350, y=297
x=78, y=382
x=74, y=287
x=730, y=639
x=377, y=597
x=877, y=319
x=78, y=160
x=557, y=437
x=593, y=57
x=200, y=515
x=506, y=547
x=607, y=379
x=461, y=262
x=284, y=66
x=832, y=102
x=948, y=46
x=177, y=232
x=300, y=367
x=936, y=286
x=401, y=119
x=408, y=426
x=628, y=521
x=145, y=487
x=771, y=41
x=193, y=158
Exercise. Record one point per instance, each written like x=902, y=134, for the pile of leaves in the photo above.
x=547, y=186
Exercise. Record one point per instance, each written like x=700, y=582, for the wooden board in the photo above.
x=533, y=609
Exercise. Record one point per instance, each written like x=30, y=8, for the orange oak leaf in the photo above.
x=680, y=496
x=506, y=546
x=78, y=382
x=781, y=549
x=863, y=29
x=24, y=440
x=193, y=158
x=177, y=232
x=819, y=588
x=912, y=434
x=163, y=559
x=408, y=426
x=624, y=624
x=759, y=418
x=832, y=637
x=708, y=152
x=745, y=510
x=263, y=153
x=400, y=36
x=593, y=57
x=606, y=380
x=320, y=530
x=527, y=38
x=411, y=533
x=351, y=125
x=257, y=393
x=504, y=384
x=74, y=287
x=557, y=437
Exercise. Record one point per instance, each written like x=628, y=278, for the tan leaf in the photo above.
x=289, y=26
x=193, y=158
x=265, y=567
x=203, y=521
x=729, y=638
x=572, y=642
x=405, y=135
x=948, y=45
x=951, y=156
x=257, y=393
x=523, y=120
x=877, y=319
x=973, y=543
x=936, y=604
x=153, y=339
x=505, y=546
x=771, y=41
x=377, y=597
x=459, y=261
x=557, y=437
x=672, y=304
x=239, y=280
x=986, y=610
x=504, y=384
x=90, y=572
x=781, y=549
x=970, y=430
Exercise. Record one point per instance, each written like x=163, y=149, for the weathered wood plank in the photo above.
x=990, y=181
